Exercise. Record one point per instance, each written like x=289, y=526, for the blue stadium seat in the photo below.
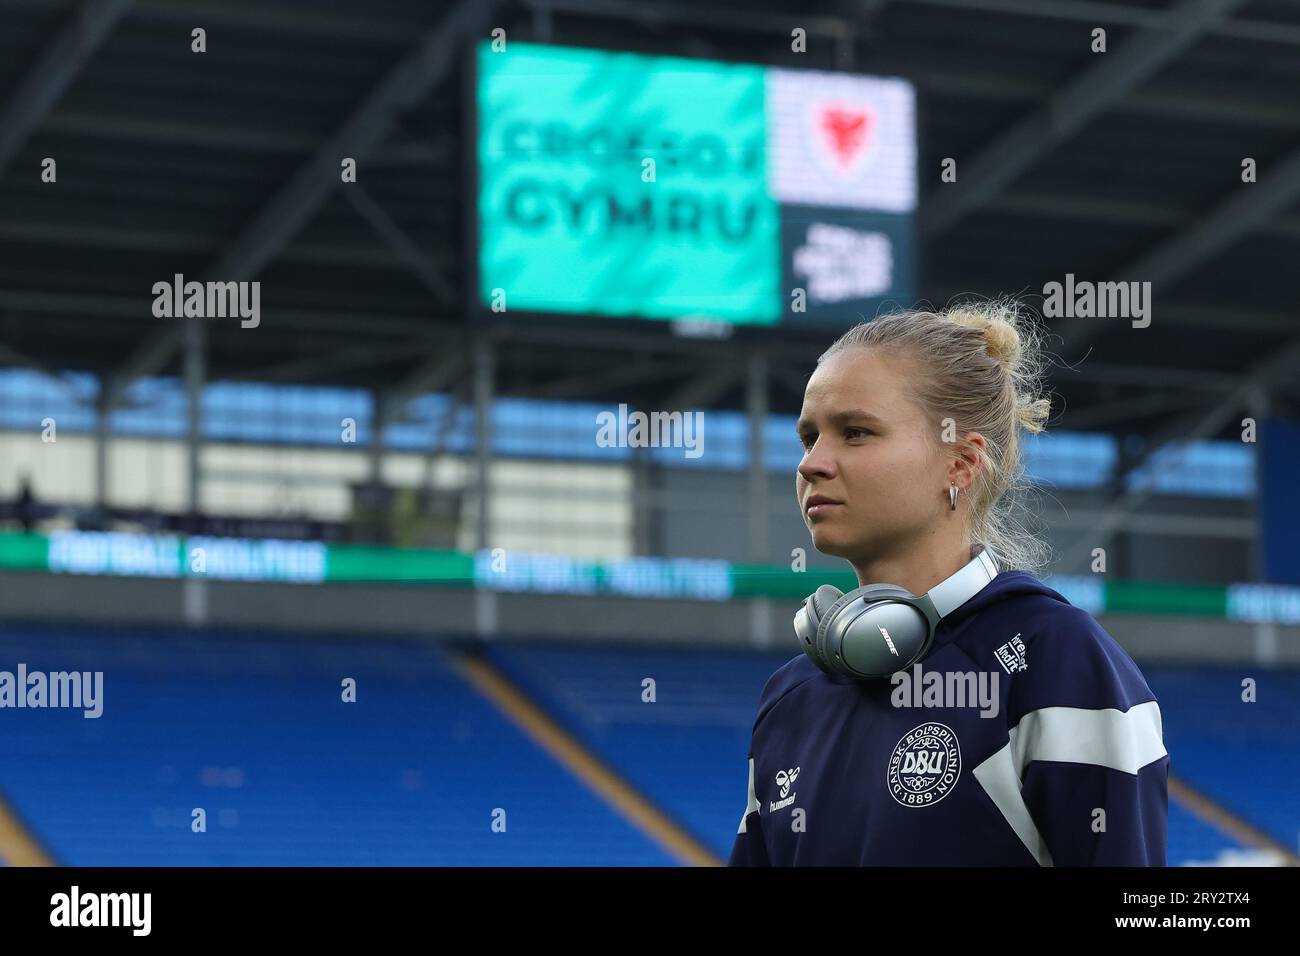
x=687, y=750
x=254, y=731
x=1245, y=756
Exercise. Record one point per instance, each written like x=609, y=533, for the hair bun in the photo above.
x=1001, y=323
x=1001, y=340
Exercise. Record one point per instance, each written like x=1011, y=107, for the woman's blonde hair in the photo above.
x=980, y=365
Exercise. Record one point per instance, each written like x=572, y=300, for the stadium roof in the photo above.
x=226, y=165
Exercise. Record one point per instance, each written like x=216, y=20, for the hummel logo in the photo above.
x=785, y=780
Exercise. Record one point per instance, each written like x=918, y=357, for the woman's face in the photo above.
x=868, y=446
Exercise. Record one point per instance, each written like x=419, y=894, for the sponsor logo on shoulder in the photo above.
x=1011, y=655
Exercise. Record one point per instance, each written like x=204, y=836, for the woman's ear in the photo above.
x=968, y=462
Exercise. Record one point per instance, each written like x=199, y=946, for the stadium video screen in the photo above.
x=653, y=187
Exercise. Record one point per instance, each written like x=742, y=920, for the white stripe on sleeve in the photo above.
x=753, y=800
x=1120, y=740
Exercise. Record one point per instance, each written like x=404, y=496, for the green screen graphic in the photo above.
x=567, y=222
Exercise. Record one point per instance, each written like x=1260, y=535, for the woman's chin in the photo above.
x=842, y=542
x=828, y=542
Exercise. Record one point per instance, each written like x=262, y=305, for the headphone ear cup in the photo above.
x=828, y=613
x=825, y=598
x=869, y=595
x=808, y=618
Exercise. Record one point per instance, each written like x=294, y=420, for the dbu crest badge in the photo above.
x=925, y=765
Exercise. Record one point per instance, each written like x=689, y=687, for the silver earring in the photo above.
x=952, y=496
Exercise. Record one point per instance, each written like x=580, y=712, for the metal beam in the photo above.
x=1109, y=78
x=54, y=72
x=313, y=366
x=650, y=339
x=1224, y=317
x=1165, y=103
x=130, y=307
x=285, y=20
x=1084, y=208
x=484, y=392
x=1107, y=415
x=614, y=375
x=219, y=136
x=429, y=62
x=1228, y=318
x=1248, y=207
x=400, y=243
x=415, y=153
x=195, y=377
x=1088, y=11
x=103, y=438
x=710, y=384
x=795, y=381
x=434, y=374
x=1193, y=428
x=757, y=406
x=700, y=16
x=1156, y=376
x=155, y=353
x=166, y=240
x=832, y=25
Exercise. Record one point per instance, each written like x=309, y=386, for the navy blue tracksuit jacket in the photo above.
x=1061, y=763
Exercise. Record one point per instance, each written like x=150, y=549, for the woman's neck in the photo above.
x=918, y=570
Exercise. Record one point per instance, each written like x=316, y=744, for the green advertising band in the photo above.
x=312, y=562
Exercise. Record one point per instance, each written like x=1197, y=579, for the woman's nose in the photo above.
x=816, y=462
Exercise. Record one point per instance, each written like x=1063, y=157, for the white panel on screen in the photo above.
x=842, y=140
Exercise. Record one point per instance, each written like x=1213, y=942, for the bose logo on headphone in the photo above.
x=885, y=634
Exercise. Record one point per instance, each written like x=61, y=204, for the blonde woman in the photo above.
x=951, y=710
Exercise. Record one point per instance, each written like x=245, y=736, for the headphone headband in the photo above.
x=952, y=592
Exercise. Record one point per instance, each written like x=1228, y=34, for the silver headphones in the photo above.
x=877, y=629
